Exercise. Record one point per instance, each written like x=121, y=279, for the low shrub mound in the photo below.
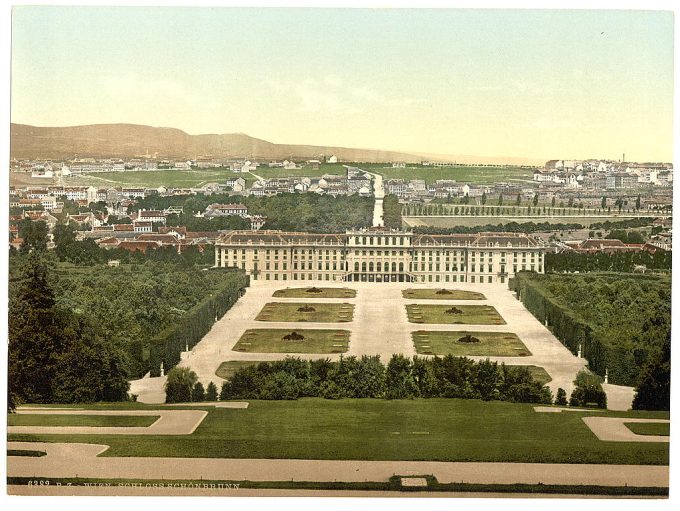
x=306, y=308
x=467, y=339
x=293, y=336
x=453, y=310
x=443, y=292
x=314, y=290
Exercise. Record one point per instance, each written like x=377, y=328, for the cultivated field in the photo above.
x=492, y=344
x=454, y=314
x=312, y=341
x=157, y=178
x=463, y=174
x=315, y=292
x=376, y=429
x=294, y=312
x=441, y=294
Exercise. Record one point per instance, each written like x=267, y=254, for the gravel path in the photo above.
x=82, y=460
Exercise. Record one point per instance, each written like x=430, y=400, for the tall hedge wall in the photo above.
x=167, y=346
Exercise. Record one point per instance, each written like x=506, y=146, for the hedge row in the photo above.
x=563, y=323
x=167, y=346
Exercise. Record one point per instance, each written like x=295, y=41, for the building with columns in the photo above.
x=380, y=255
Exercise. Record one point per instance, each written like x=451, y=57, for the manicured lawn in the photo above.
x=492, y=344
x=442, y=294
x=314, y=341
x=228, y=369
x=316, y=292
x=377, y=429
x=469, y=315
x=538, y=373
x=650, y=428
x=301, y=312
x=110, y=421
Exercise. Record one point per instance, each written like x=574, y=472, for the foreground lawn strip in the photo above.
x=311, y=341
x=394, y=484
x=376, y=429
x=111, y=421
x=456, y=315
x=441, y=294
x=227, y=369
x=492, y=344
x=298, y=312
x=315, y=292
x=649, y=428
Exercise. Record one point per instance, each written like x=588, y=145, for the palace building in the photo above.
x=380, y=255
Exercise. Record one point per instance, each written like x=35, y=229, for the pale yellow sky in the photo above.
x=534, y=84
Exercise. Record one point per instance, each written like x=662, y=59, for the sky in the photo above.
x=535, y=84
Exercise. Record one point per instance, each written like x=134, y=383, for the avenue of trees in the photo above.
x=400, y=378
x=618, y=262
x=620, y=321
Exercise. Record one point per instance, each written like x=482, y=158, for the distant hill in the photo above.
x=129, y=140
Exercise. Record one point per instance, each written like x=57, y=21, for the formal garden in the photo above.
x=315, y=292
x=454, y=314
x=441, y=294
x=486, y=344
x=297, y=312
x=297, y=340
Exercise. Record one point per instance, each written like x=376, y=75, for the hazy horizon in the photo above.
x=531, y=85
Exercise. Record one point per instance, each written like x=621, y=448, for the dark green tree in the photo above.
x=535, y=200
x=653, y=391
x=198, y=393
x=34, y=235
x=179, y=384
x=399, y=383
x=561, y=397
x=211, y=392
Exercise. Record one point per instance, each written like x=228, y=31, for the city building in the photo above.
x=380, y=255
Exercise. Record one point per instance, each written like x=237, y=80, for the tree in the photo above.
x=34, y=235
x=561, y=397
x=483, y=198
x=399, y=383
x=653, y=391
x=588, y=391
x=211, y=392
x=638, y=202
x=198, y=393
x=500, y=199
x=63, y=234
x=535, y=200
x=518, y=201
x=179, y=384
x=603, y=204
x=552, y=202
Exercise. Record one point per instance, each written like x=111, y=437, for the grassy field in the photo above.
x=322, y=292
x=470, y=315
x=229, y=368
x=464, y=174
x=376, y=429
x=156, y=178
x=303, y=312
x=650, y=428
x=442, y=294
x=109, y=421
x=324, y=168
x=492, y=344
x=315, y=341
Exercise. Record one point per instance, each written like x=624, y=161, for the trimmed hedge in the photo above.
x=167, y=346
x=572, y=330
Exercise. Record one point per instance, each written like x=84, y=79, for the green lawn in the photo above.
x=228, y=369
x=464, y=174
x=442, y=294
x=109, y=421
x=650, y=428
x=308, y=171
x=315, y=341
x=470, y=315
x=316, y=292
x=492, y=344
x=303, y=312
x=537, y=373
x=376, y=429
